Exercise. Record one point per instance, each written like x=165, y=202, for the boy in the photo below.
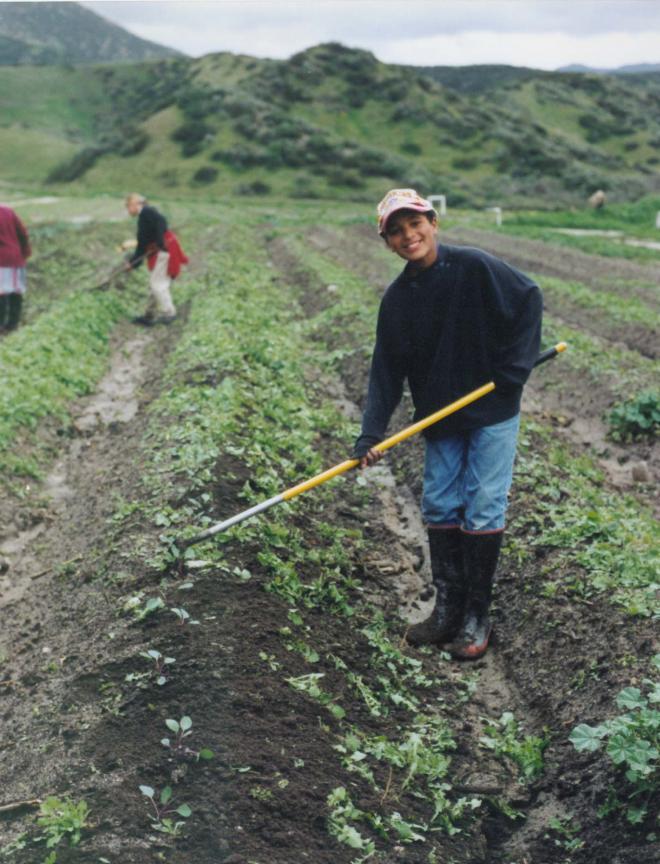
x=454, y=319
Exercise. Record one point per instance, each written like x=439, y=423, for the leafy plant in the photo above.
x=342, y=813
x=567, y=833
x=162, y=817
x=141, y=608
x=160, y=663
x=503, y=737
x=61, y=817
x=632, y=742
x=183, y=616
x=636, y=418
x=309, y=684
x=182, y=729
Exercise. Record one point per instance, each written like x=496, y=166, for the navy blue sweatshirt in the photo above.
x=468, y=319
x=151, y=228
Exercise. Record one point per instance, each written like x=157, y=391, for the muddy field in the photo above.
x=83, y=718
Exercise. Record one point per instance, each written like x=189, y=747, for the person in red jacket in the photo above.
x=14, y=252
x=160, y=247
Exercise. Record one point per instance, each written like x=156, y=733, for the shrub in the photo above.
x=191, y=134
x=257, y=187
x=411, y=147
x=636, y=418
x=465, y=163
x=133, y=142
x=76, y=166
x=205, y=174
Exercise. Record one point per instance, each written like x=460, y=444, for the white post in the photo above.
x=442, y=201
x=657, y=219
x=498, y=214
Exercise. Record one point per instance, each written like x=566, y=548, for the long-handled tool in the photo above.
x=343, y=467
x=118, y=271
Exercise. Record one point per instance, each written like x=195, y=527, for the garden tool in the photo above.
x=349, y=464
x=103, y=286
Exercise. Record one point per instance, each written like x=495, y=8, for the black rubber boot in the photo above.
x=145, y=320
x=450, y=590
x=480, y=556
x=14, y=312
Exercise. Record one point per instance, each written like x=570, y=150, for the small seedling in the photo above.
x=163, y=811
x=183, y=729
x=161, y=663
x=141, y=610
x=183, y=615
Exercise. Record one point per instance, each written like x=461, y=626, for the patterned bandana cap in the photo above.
x=400, y=199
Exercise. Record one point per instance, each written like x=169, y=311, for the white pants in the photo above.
x=160, y=299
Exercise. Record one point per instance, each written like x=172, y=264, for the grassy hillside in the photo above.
x=333, y=122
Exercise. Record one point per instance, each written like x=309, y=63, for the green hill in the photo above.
x=50, y=33
x=333, y=122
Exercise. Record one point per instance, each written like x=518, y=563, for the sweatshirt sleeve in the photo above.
x=516, y=304
x=386, y=379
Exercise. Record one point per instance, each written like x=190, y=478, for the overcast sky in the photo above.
x=543, y=34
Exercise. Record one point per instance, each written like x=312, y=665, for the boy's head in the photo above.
x=402, y=199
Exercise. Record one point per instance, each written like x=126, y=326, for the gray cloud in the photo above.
x=278, y=29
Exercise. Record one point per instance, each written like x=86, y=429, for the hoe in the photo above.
x=343, y=467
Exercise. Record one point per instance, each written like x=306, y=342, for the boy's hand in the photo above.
x=371, y=457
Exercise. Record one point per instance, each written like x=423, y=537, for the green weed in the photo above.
x=504, y=738
x=632, y=742
x=636, y=418
x=62, y=818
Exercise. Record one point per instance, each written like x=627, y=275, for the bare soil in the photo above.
x=72, y=725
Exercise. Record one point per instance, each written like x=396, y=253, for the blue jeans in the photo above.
x=467, y=477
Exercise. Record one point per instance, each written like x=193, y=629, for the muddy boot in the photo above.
x=446, y=567
x=480, y=552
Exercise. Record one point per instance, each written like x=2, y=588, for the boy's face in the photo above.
x=413, y=237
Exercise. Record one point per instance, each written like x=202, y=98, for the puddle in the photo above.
x=47, y=199
x=588, y=232
x=645, y=244
x=618, y=235
x=116, y=399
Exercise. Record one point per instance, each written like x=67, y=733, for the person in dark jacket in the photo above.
x=151, y=244
x=14, y=252
x=455, y=319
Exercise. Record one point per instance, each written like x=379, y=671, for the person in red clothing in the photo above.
x=14, y=252
x=164, y=258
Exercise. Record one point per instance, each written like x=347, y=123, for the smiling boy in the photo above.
x=454, y=319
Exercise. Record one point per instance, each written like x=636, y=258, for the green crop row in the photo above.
x=620, y=371
x=608, y=305
x=604, y=542
x=61, y=356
